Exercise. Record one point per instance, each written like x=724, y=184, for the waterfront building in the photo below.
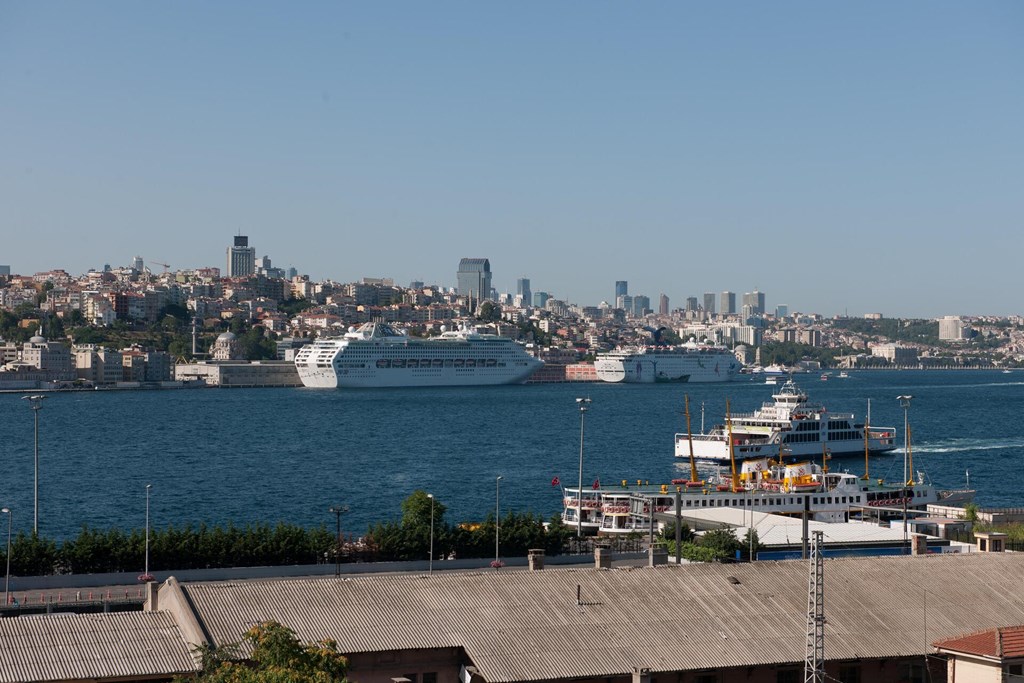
x=267, y=373
x=728, y=303
x=895, y=354
x=98, y=365
x=474, y=278
x=51, y=356
x=241, y=258
x=952, y=328
x=663, y=305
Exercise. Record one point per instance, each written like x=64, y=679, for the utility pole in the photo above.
x=814, y=662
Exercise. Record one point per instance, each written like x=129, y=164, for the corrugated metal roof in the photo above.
x=519, y=625
x=57, y=647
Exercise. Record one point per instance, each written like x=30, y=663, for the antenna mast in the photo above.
x=814, y=662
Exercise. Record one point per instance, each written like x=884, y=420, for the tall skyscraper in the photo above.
x=137, y=264
x=523, y=290
x=691, y=303
x=728, y=303
x=709, y=302
x=663, y=305
x=474, y=278
x=781, y=311
x=755, y=300
x=540, y=299
x=621, y=289
x=241, y=258
x=641, y=305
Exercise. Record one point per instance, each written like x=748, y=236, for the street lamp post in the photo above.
x=36, y=403
x=7, y=580
x=430, y=562
x=497, y=519
x=583, y=403
x=905, y=404
x=146, y=572
x=337, y=510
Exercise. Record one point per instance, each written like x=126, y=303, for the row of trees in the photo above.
x=114, y=550
x=409, y=538
x=262, y=545
x=718, y=545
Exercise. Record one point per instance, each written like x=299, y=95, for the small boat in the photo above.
x=843, y=375
x=772, y=380
x=824, y=377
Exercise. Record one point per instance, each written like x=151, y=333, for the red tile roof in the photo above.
x=999, y=643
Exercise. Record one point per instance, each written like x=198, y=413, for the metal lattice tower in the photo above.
x=814, y=662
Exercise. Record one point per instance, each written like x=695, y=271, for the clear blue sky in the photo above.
x=854, y=157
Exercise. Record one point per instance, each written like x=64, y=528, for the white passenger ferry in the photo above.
x=790, y=426
x=762, y=485
x=378, y=355
x=689, y=362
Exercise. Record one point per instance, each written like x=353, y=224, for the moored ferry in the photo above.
x=762, y=485
x=379, y=355
x=790, y=426
x=689, y=362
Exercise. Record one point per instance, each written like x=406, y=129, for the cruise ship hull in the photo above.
x=376, y=355
x=691, y=367
x=370, y=378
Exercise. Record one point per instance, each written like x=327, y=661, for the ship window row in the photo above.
x=384, y=363
x=802, y=438
x=769, y=502
x=845, y=436
x=807, y=427
x=838, y=424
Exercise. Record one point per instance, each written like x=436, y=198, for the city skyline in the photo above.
x=843, y=159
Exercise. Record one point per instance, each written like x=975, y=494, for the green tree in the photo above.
x=722, y=543
x=489, y=311
x=277, y=657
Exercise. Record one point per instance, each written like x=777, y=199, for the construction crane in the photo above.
x=157, y=263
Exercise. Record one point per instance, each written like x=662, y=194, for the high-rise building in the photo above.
x=709, y=302
x=137, y=264
x=951, y=328
x=625, y=302
x=474, y=278
x=540, y=299
x=781, y=311
x=621, y=289
x=755, y=300
x=641, y=305
x=241, y=258
x=728, y=303
x=663, y=305
x=523, y=289
x=691, y=303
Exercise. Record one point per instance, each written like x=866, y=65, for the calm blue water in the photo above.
x=289, y=454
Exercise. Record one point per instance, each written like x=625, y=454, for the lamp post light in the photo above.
x=337, y=510
x=905, y=404
x=430, y=561
x=497, y=519
x=146, y=572
x=583, y=403
x=36, y=403
x=7, y=580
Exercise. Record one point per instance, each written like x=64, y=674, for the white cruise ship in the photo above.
x=378, y=355
x=690, y=362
